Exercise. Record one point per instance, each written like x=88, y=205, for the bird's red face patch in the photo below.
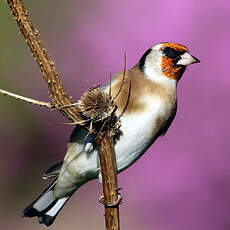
x=175, y=46
x=168, y=63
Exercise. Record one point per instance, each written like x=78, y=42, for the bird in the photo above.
x=150, y=111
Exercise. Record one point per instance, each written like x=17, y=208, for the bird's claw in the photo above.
x=114, y=204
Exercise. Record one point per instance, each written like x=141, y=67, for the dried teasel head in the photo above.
x=98, y=109
x=96, y=105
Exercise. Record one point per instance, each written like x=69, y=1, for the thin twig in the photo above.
x=110, y=85
x=26, y=99
x=127, y=101
x=123, y=79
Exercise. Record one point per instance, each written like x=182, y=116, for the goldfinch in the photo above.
x=151, y=109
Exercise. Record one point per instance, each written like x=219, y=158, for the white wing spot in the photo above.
x=89, y=147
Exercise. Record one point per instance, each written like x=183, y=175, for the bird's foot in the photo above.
x=114, y=204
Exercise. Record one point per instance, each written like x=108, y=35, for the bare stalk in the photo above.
x=61, y=100
x=26, y=99
x=111, y=197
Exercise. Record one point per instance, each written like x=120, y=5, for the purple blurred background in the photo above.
x=183, y=181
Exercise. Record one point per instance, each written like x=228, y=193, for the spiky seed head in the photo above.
x=96, y=105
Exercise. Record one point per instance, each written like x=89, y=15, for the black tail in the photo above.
x=46, y=207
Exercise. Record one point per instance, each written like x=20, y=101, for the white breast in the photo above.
x=139, y=130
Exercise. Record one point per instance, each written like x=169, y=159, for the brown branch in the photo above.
x=61, y=100
x=58, y=94
x=26, y=99
x=109, y=179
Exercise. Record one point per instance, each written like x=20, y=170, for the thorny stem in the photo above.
x=60, y=98
x=58, y=94
x=109, y=179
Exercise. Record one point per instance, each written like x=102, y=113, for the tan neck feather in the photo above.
x=140, y=86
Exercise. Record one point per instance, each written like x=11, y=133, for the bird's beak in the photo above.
x=187, y=59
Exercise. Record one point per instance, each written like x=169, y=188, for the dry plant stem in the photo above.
x=109, y=178
x=59, y=96
x=26, y=99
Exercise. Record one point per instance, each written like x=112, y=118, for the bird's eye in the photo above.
x=170, y=52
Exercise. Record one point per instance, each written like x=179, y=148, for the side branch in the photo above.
x=26, y=99
x=59, y=96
